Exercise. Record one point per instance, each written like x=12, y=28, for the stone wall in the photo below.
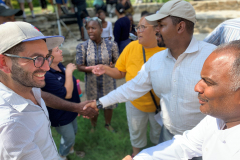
x=208, y=13
x=216, y=5
x=150, y=7
x=213, y=5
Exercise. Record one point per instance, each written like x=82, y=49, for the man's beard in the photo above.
x=25, y=78
x=160, y=41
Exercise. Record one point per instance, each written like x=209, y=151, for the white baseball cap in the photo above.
x=177, y=8
x=13, y=33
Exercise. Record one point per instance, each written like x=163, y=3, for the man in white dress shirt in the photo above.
x=25, y=131
x=171, y=73
x=216, y=137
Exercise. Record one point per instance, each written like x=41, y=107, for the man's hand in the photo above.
x=55, y=102
x=87, y=110
x=98, y=70
x=128, y=157
x=92, y=105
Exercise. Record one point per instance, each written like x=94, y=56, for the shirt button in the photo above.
x=173, y=95
x=174, y=80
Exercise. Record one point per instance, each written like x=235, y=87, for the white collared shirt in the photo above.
x=25, y=127
x=173, y=81
x=207, y=139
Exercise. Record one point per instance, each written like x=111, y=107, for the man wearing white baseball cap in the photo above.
x=24, y=123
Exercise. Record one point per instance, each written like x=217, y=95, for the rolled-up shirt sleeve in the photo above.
x=131, y=90
x=18, y=141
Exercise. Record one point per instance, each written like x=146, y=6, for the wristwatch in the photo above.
x=99, y=104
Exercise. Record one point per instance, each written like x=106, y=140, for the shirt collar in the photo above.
x=16, y=101
x=220, y=124
x=60, y=66
x=192, y=48
x=102, y=40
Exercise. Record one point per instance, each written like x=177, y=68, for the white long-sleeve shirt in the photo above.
x=173, y=81
x=25, y=132
x=207, y=139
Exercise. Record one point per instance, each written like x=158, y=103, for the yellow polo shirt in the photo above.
x=131, y=61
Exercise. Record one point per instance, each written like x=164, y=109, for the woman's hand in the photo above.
x=70, y=68
x=98, y=70
x=109, y=38
x=69, y=80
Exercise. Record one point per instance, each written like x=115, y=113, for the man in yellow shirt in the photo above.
x=142, y=110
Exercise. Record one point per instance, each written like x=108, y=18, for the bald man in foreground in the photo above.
x=217, y=135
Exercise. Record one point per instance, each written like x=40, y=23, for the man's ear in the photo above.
x=3, y=64
x=181, y=27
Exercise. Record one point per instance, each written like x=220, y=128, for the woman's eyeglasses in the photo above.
x=141, y=28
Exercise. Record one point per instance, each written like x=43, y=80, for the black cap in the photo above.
x=6, y=11
x=120, y=8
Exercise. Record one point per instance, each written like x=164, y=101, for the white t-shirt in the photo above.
x=107, y=32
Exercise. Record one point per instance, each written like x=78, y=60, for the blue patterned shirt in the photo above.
x=91, y=54
x=225, y=32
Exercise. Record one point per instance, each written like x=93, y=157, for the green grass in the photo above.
x=37, y=9
x=79, y=75
x=102, y=144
